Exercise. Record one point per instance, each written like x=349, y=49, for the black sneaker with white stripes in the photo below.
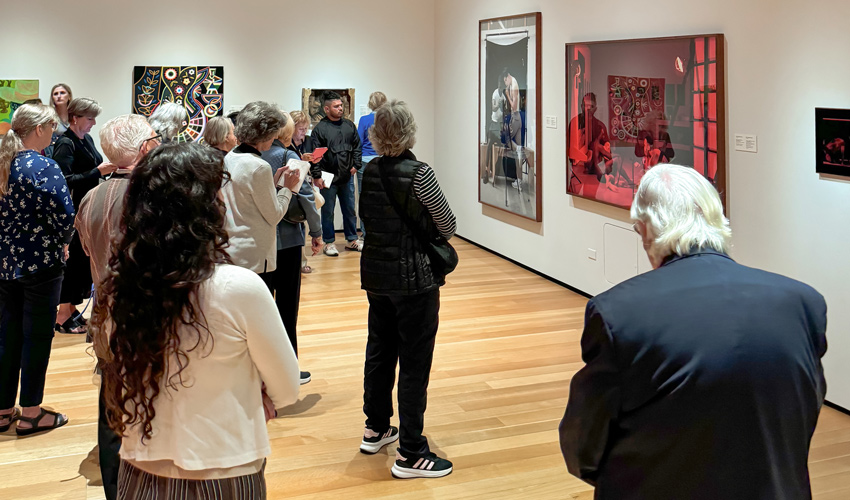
x=374, y=441
x=305, y=377
x=428, y=465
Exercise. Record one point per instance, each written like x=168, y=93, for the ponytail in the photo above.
x=24, y=121
x=10, y=144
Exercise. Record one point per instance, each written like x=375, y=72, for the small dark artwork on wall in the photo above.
x=311, y=104
x=632, y=104
x=200, y=89
x=832, y=135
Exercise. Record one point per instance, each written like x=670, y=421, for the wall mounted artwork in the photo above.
x=13, y=93
x=311, y=104
x=509, y=115
x=632, y=104
x=200, y=89
x=832, y=136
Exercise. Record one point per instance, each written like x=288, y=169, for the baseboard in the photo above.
x=535, y=271
x=837, y=407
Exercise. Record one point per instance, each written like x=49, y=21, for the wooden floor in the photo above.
x=507, y=347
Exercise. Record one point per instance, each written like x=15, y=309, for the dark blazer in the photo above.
x=703, y=380
x=78, y=159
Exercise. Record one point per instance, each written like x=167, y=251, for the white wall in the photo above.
x=269, y=49
x=780, y=66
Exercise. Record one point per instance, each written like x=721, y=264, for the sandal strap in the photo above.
x=15, y=415
x=57, y=417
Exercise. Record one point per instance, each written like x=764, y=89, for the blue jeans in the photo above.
x=363, y=162
x=27, y=314
x=345, y=192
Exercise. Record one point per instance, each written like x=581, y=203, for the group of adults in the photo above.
x=702, y=378
x=183, y=243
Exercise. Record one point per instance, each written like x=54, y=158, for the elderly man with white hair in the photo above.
x=167, y=119
x=703, y=377
x=125, y=140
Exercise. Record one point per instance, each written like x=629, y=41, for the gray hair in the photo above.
x=682, y=212
x=24, y=122
x=122, y=137
x=394, y=130
x=216, y=130
x=167, y=119
x=258, y=122
x=84, y=107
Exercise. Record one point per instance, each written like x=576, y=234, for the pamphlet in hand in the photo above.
x=295, y=165
x=318, y=153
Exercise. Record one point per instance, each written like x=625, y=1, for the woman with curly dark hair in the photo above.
x=192, y=338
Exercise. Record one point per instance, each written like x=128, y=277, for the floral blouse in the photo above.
x=36, y=217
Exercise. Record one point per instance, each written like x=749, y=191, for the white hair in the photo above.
x=122, y=136
x=167, y=119
x=682, y=212
x=394, y=130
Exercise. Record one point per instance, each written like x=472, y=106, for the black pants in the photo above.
x=108, y=445
x=27, y=314
x=402, y=330
x=286, y=283
x=76, y=287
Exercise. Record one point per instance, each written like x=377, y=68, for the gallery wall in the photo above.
x=270, y=49
x=780, y=66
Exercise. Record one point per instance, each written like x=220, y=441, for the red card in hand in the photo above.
x=318, y=153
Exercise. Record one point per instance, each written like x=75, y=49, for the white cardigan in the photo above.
x=217, y=420
x=253, y=211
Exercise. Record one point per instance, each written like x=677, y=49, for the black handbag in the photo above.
x=440, y=252
x=295, y=212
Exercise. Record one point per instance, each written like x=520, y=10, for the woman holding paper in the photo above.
x=255, y=203
x=286, y=278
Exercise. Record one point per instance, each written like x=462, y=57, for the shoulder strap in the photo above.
x=414, y=228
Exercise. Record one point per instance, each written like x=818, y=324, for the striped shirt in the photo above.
x=428, y=192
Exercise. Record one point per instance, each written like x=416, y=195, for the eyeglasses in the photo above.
x=157, y=138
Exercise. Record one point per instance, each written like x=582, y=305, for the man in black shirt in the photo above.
x=342, y=160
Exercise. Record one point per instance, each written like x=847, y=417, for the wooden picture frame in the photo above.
x=510, y=122
x=650, y=100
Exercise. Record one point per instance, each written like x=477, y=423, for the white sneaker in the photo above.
x=330, y=250
x=355, y=245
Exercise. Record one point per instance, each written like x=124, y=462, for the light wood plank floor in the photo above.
x=507, y=347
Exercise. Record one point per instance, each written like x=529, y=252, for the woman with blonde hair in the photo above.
x=376, y=100
x=83, y=167
x=219, y=134
x=33, y=242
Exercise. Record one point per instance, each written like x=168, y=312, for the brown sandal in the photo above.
x=58, y=421
x=16, y=414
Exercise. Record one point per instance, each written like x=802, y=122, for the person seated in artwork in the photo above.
x=590, y=147
x=653, y=147
x=834, y=151
x=512, y=138
x=494, y=132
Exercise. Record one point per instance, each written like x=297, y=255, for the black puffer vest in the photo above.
x=393, y=262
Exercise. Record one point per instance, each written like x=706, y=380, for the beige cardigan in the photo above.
x=253, y=211
x=217, y=420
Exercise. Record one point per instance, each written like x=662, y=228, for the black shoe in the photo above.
x=428, y=465
x=374, y=441
x=305, y=377
x=78, y=317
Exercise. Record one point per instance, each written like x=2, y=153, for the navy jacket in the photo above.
x=703, y=380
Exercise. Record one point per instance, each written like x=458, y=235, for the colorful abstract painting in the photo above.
x=13, y=93
x=200, y=89
x=633, y=103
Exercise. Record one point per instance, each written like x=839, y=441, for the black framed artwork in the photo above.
x=832, y=135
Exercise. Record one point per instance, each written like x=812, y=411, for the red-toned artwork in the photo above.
x=632, y=104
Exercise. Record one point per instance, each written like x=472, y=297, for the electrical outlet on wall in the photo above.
x=591, y=254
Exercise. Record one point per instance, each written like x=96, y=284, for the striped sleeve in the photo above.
x=428, y=192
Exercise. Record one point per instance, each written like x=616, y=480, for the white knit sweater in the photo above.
x=253, y=211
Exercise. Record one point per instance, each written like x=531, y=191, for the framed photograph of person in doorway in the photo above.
x=832, y=135
x=509, y=114
x=632, y=104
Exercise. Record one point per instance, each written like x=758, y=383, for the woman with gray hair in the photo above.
x=219, y=134
x=168, y=119
x=35, y=201
x=83, y=167
x=255, y=202
x=403, y=291
x=678, y=212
